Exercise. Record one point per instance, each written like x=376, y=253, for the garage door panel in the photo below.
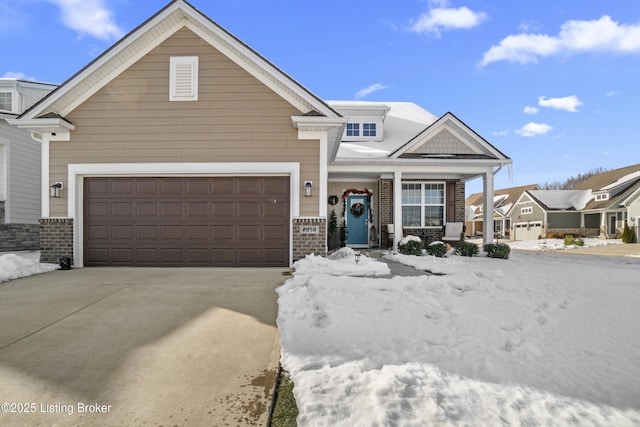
x=203, y=221
x=248, y=232
x=121, y=187
x=171, y=209
x=222, y=210
x=247, y=209
x=197, y=232
x=146, y=188
x=121, y=209
x=146, y=232
x=221, y=232
x=147, y=209
x=122, y=232
x=275, y=232
x=97, y=232
x=197, y=210
x=97, y=209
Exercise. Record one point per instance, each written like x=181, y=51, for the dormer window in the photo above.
x=368, y=129
x=353, y=129
x=6, y=101
x=602, y=196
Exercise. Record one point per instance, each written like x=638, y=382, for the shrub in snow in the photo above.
x=497, y=250
x=467, y=249
x=569, y=240
x=627, y=235
x=437, y=249
x=410, y=245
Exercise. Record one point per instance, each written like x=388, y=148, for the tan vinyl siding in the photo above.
x=236, y=119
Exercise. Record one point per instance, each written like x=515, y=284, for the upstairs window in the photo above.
x=368, y=129
x=602, y=196
x=183, y=78
x=526, y=211
x=353, y=129
x=6, y=101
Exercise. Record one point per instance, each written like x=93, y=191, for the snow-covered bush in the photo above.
x=497, y=250
x=411, y=245
x=437, y=249
x=467, y=249
x=570, y=239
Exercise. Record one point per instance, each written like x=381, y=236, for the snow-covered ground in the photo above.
x=542, y=338
x=22, y=264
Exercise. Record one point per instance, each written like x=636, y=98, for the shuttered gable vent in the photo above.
x=183, y=85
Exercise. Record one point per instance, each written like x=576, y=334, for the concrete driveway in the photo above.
x=133, y=346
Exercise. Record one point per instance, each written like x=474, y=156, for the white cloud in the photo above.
x=531, y=110
x=602, y=35
x=89, y=17
x=13, y=75
x=568, y=103
x=613, y=93
x=444, y=18
x=369, y=90
x=501, y=133
x=532, y=129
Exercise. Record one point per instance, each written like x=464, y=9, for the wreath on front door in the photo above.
x=357, y=209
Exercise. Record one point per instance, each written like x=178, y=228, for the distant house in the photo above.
x=182, y=146
x=537, y=213
x=20, y=166
x=503, y=201
x=615, y=200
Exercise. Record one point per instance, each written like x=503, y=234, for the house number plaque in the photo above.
x=309, y=229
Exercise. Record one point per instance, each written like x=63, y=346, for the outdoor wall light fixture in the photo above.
x=54, y=190
x=308, y=185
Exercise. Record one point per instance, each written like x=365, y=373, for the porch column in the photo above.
x=397, y=209
x=487, y=192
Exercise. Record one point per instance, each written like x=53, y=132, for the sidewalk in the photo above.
x=624, y=250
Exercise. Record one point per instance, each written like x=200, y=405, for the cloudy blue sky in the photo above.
x=554, y=84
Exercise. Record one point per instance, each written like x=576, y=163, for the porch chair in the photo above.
x=453, y=232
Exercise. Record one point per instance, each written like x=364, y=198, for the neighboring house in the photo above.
x=537, y=213
x=615, y=200
x=20, y=166
x=503, y=201
x=181, y=146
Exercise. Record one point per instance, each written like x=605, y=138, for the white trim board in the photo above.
x=76, y=173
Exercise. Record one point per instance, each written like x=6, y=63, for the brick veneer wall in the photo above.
x=2, y=210
x=305, y=244
x=386, y=211
x=19, y=237
x=56, y=239
x=460, y=206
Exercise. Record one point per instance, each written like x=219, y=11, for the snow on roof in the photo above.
x=403, y=121
x=563, y=199
x=622, y=180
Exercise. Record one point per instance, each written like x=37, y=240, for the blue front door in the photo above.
x=357, y=220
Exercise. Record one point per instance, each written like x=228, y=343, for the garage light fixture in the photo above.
x=54, y=190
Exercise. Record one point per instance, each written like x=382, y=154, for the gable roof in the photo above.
x=619, y=182
x=133, y=46
x=561, y=200
x=463, y=142
x=503, y=199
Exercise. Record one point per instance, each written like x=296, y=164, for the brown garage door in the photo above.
x=179, y=221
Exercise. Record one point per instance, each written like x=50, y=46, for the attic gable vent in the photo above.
x=183, y=78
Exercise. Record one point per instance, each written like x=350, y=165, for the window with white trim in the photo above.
x=6, y=101
x=602, y=196
x=183, y=78
x=353, y=129
x=368, y=129
x=526, y=211
x=423, y=204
